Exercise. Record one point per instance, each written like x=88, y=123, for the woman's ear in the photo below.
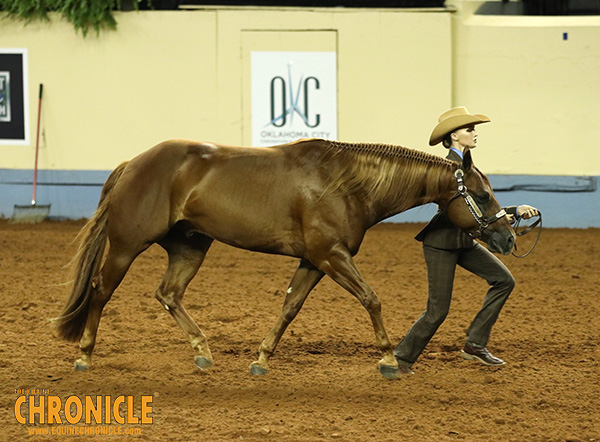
x=467, y=161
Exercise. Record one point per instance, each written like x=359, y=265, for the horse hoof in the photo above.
x=203, y=362
x=81, y=365
x=257, y=370
x=389, y=372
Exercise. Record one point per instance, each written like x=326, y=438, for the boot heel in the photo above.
x=466, y=356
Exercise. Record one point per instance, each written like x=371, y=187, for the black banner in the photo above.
x=12, y=97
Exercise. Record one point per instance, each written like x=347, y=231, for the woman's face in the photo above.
x=465, y=137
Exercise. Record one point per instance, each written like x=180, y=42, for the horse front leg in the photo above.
x=304, y=280
x=340, y=266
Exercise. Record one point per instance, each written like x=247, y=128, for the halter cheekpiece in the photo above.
x=482, y=221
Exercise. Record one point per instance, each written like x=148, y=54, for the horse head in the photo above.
x=473, y=207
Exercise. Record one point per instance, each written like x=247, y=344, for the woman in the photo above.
x=445, y=246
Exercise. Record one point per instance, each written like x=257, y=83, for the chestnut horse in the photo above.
x=312, y=199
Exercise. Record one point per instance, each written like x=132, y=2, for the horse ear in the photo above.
x=467, y=161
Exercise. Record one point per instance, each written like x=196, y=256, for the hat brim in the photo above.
x=453, y=123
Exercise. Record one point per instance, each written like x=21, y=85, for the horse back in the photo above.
x=251, y=197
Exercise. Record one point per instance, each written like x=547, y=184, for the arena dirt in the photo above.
x=323, y=384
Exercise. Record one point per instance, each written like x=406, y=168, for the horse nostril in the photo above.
x=511, y=241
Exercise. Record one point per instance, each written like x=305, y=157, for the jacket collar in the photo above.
x=454, y=156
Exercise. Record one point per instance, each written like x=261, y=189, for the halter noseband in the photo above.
x=482, y=220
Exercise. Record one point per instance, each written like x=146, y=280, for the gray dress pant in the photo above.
x=441, y=265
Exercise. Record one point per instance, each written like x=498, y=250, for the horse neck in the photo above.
x=385, y=180
x=411, y=186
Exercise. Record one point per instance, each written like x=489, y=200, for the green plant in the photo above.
x=84, y=14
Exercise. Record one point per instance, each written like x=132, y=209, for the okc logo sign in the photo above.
x=294, y=95
x=288, y=89
x=87, y=415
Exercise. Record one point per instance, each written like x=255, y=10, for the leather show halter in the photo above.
x=484, y=221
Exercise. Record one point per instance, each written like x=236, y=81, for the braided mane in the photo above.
x=380, y=169
x=388, y=150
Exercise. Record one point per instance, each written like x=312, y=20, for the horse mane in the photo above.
x=379, y=169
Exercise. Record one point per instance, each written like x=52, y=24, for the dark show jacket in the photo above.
x=441, y=233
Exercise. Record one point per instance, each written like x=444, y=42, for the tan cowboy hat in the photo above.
x=453, y=119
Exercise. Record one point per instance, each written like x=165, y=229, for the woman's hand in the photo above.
x=524, y=211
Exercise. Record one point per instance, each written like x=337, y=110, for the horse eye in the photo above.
x=483, y=198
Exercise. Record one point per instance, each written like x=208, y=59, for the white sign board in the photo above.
x=294, y=95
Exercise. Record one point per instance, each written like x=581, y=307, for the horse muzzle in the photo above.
x=501, y=243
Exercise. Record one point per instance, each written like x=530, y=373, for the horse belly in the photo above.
x=245, y=215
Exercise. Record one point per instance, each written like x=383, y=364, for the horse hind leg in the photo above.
x=304, y=280
x=186, y=255
x=113, y=270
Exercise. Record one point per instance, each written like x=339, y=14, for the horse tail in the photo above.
x=86, y=265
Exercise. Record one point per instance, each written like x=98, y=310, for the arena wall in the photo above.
x=537, y=78
x=185, y=74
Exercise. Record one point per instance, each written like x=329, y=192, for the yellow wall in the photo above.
x=185, y=74
x=107, y=98
x=542, y=92
x=181, y=74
